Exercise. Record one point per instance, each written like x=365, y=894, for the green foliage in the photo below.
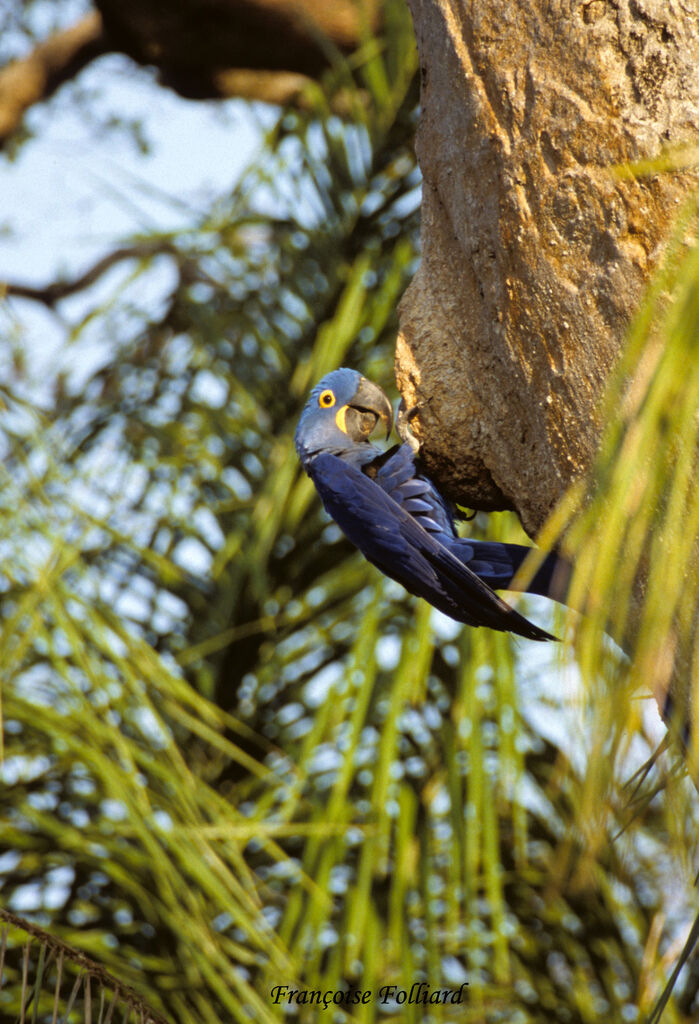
x=235, y=757
x=632, y=531
x=635, y=542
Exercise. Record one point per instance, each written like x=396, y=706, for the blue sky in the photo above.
x=75, y=190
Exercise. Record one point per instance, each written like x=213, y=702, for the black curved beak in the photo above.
x=373, y=405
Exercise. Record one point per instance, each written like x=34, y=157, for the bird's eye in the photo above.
x=327, y=399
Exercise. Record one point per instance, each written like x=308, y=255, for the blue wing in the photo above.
x=400, y=526
x=496, y=564
x=397, y=474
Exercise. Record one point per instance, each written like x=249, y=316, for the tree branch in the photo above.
x=266, y=50
x=278, y=87
x=33, y=78
x=206, y=50
x=53, y=293
x=60, y=948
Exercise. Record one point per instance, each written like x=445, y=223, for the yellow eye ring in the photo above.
x=326, y=399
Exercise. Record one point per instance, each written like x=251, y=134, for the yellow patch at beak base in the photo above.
x=340, y=418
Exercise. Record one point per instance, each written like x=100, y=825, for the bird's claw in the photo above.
x=403, y=418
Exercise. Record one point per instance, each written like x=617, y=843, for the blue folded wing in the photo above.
x=496, y=563
x=398, y=476
x=397, y=541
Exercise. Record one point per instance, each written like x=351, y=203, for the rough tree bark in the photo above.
x=534, y=253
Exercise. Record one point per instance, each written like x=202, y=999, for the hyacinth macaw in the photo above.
x=389, y=509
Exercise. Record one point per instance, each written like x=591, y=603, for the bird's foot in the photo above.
x=403, y=425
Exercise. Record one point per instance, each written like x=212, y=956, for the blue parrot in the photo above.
x=389, y=509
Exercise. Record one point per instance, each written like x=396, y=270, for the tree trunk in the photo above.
x=535, y=252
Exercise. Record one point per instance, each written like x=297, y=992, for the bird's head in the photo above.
x=341, y=414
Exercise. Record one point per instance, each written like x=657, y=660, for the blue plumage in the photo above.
x=394, y=514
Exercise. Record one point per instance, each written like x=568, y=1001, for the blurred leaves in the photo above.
x=635, y=542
